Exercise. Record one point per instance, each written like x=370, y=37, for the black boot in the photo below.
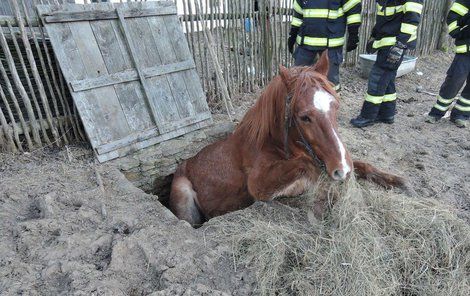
x=362, y=122
x=387, y=120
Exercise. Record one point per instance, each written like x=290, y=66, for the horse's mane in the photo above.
x=266, y=119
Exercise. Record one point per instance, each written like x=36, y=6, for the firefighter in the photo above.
x=318, y=25
x=394, y=33
x=459, y=71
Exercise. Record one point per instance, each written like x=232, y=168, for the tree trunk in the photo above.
x=443, y=36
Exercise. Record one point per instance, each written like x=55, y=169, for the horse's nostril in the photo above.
x=339, y=175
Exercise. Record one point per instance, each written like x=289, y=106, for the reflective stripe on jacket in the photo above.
x=323, y=23
x=459, y=9
x=397, y=20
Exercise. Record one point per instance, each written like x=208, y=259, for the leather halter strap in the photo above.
x=289, y=120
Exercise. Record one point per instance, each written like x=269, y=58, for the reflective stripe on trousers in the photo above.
x=457, y=75
x=381, y=94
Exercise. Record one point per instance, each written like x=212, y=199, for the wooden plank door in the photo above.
x=130, y=73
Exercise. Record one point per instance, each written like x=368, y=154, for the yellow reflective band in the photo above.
x=350, y=4
x=374, y=99
x=462, y=108
x=296, y=22
x=337, y=87
x=459, y=9
x=387, y=41
x=461, y=49
x=323, y=13
x=439, y=107
x=335, y=42
x=312, y=41
x=413, y=7
x=388, y=11
x=410, y=29
x=390, y=97
x=413, y=38
x=453, y=26
x=445, y=101
x=354, y=19
x=465, y=101
x=298, y=8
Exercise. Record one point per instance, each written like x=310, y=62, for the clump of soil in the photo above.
x=72, y=227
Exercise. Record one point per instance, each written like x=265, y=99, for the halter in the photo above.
x=288, y=121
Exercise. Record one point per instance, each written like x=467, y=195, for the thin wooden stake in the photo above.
x=30, y=85
x=34, y=69
x=218, y=71
x=12, y=118
x=7, y=132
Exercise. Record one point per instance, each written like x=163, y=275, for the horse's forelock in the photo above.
x=309, y=79
x=266, y=118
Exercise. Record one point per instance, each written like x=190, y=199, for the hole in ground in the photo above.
x=162, y=188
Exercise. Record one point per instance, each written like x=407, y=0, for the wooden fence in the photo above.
x=251, y=38
x=250, y=43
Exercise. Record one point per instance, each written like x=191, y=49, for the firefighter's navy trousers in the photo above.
x=381, y=94
x=306, y=57
x=457, y=75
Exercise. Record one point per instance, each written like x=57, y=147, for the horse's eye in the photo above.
x=305, y=118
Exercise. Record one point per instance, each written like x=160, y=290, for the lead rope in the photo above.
x=288, y=123
x=309, y=148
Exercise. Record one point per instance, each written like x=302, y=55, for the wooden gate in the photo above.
x=130, y=72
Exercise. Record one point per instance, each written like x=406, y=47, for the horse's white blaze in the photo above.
x=342, y=151
x=322, y=101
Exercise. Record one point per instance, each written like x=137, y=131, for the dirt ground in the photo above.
x=72, y=227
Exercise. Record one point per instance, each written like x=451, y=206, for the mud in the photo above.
x=72, y=227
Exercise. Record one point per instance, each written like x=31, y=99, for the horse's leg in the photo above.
x=270, y=179
x=366, y=171
x=183, y=201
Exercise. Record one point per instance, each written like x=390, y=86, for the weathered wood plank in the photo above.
x=73, y=67
x=130, y=95
x=57, y=120
x=181, y=49
x=167, y=55
x=145, y=54
x=157, y=116
x=136, y=137
x=130, y=75
x=108, y=104
x=151, y=141
x=7, y=19
x=83, y=16
x=134, y=57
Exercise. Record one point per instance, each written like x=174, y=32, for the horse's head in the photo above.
x=313, y=115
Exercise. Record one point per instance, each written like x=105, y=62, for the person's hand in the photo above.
x=353, y=38
x=370, y=46
x=292, y=39
x=291, y=43
x=396, y=53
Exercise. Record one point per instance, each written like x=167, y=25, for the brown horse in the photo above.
x=280, y=148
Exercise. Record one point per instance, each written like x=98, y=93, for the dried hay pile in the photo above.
x=372, y=243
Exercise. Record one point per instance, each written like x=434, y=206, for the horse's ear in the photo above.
x=285, y=75
x=323, y=64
